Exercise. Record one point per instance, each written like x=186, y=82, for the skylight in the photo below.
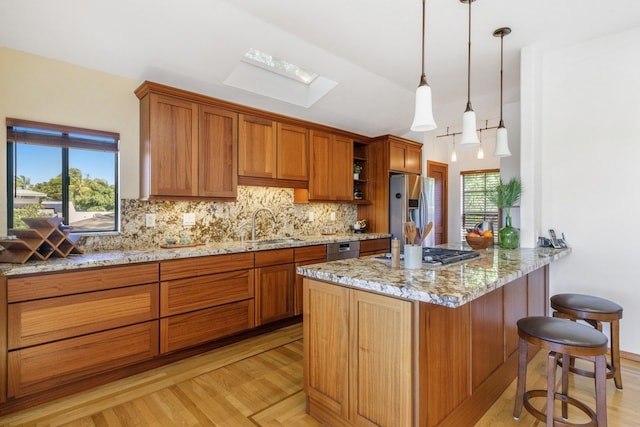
x=279, y=66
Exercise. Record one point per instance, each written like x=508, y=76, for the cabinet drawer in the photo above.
x=189, y=329
x=201, y=266
x=57, y=284
x=40, y=321
x=274, y=257
x=311, y=253
x=374, y=246
x=46, y=366
x=195, y=293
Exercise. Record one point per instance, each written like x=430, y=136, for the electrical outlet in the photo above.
x=310, y=217
x=150, y=220
x=188, y=219
x=332, y=216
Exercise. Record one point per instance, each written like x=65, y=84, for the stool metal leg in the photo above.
x=522, y=378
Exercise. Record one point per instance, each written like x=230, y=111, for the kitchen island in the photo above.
x=433, y=346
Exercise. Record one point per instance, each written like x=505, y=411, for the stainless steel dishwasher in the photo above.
x=343, y=250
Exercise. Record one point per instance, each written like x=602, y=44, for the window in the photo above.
x=476, y=204
x=62, y=171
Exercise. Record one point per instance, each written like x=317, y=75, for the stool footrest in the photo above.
x=564, y=398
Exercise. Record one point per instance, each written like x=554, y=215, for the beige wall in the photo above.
x=36, y=88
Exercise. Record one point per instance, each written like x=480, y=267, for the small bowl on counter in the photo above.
x=479, y=242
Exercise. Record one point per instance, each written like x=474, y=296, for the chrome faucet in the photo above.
x=253, y=222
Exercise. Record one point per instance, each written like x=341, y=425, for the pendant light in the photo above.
x=502, y=143
x=480, y=150
x=469, y=135
x=454, y=158
x=423, y=119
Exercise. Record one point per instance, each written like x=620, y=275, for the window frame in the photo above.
x=64, y=137
x=488, y=215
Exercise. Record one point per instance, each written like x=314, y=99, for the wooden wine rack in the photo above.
x=44, y=239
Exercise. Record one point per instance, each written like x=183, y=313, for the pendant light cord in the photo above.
x=501, y=65
x=423, y=77
x=469, y=63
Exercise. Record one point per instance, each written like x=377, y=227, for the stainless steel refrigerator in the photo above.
x=411, y=198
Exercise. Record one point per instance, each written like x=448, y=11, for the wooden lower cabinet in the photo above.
x=377, y=360
x=275, y=279
x=46, y=366
x=205, y=298
x=375, y=246
x=198, y=327
x=358, y=353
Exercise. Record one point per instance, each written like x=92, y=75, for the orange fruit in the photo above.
x=473, y=235
x=487, y=233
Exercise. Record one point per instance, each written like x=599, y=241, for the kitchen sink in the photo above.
x=276, y=241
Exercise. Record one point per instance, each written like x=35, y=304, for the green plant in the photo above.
x=357, y=168
x=506, y=195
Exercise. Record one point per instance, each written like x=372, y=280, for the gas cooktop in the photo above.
x=442, y=256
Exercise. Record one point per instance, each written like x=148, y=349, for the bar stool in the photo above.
x=562, y=338
x=594, y=311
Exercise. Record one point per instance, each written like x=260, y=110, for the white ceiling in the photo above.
x=370, y=47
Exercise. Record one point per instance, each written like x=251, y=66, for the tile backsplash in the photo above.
x=221, y=221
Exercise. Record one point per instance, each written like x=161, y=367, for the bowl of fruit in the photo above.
x=479, y=239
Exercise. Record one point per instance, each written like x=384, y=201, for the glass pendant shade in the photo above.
x=469, y=134
x=423, y=120
x=454, y=158
x=480, y=153
x=502, y=143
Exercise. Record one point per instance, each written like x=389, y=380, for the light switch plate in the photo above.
x=150, y=220
x=310, y=217
x=332, y=216
x=188, y=219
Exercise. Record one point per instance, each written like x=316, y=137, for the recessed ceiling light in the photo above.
x=279, y=66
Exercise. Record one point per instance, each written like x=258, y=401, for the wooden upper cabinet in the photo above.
x=188, y=148
x=405, y=157
x=293, y=152
x=218, y=153
x=257, y=147
x=272, y=150
x=331, y=166
x=171, y=153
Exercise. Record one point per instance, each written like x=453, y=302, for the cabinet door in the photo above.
x=274, y=293
x=46, y=366
x=326, y=349
x=342, y=168
x=380, y=362
x=331, y=164
x=173, y=146
x=320, y=165
x=218, y=153
x=396, y=156
x=293, y=152
x=197, y=327
x=413, y=160
x=257, y=147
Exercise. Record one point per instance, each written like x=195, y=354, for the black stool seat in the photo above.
x=593, y=310
x=586, y=306
x=558, y=334
x=563, y=339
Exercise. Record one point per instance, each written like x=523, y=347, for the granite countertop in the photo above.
x=139, y=255
x=450, y=286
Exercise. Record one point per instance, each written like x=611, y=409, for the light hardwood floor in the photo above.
x=258, y=382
